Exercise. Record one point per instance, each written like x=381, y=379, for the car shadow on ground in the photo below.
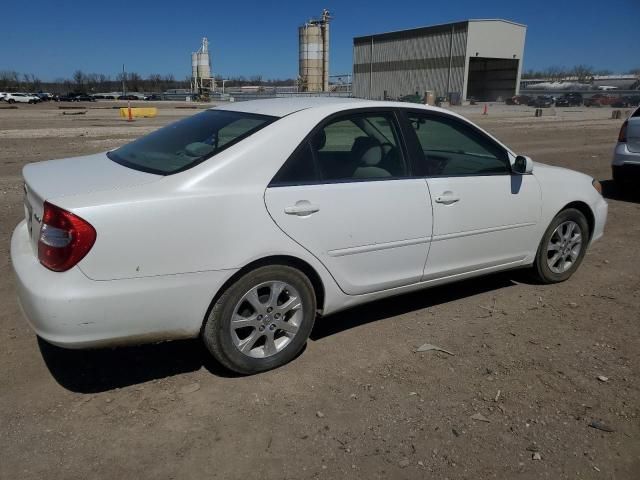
x=611, y=191
x=93, y=371
x=421, y=299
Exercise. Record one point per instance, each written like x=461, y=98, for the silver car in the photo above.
x=626, y=157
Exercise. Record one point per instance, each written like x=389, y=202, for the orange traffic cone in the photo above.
x=130, y=118
x=485, y=109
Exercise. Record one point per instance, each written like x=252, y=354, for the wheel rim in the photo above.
x=266, y=319
x=564, y=247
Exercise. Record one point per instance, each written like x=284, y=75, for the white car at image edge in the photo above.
x=625, y=166
x=244, y=222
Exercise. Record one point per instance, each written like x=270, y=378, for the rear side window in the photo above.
x=188, y=142
x=360, y=147
x=354, y=147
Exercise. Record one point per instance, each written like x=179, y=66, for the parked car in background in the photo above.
x=19, y=98
x=625, y=166
x=570, y=100
x=153, y=96
x=83, y=97
x=599, y=100
x=69, y=97
x=44, y=96
x=519, y=100
x=77, y=97
x=625, y=102
x=128, y=97
x=2, y=95
x=224, y=225
x=541, y=101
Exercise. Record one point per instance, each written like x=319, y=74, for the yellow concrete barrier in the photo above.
x=139, y=112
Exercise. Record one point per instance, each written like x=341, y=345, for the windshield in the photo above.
x=186, y=143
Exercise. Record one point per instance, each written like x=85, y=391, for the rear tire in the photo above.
x=623, y=184
x=562, y=247
x=262, y=321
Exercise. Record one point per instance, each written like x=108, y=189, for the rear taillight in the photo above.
x=622, y=136
x=65, y=238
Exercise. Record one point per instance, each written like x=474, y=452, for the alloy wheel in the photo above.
x=266, y=319
x=564, y=246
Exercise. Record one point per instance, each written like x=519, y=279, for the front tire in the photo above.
x=262, y=321
x=562, y=247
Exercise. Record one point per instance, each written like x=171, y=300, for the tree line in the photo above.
x=583, y=73
x=81, y=82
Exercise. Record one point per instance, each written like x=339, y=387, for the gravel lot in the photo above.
x=359, y=402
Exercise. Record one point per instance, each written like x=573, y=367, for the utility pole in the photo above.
x=124, y=75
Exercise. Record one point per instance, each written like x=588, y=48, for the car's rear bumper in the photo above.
x=70, y=310
x=628, y=161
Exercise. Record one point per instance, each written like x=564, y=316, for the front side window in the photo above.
x=186, y=143
x=452, y=148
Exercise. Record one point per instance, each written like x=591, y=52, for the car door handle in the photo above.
x=302, y=209
x=447, y=198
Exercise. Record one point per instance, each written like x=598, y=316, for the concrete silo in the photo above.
x=202, y=81
x=314, y=54
x=194, y=65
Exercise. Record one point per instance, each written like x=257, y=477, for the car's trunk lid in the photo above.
x=633, y=135
x=54, y=179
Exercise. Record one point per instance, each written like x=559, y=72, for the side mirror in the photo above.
x=522, y=165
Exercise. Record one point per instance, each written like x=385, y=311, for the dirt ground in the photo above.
x=359, y=402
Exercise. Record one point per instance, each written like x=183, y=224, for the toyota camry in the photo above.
x=241, y=224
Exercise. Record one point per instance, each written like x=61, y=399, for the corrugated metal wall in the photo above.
x=410, y=61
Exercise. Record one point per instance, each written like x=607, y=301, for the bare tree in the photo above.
x=79, y=79
x=583, y=72
x=134, y=81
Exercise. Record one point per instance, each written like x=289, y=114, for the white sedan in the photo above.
x=240, y=224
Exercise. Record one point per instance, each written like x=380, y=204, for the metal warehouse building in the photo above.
x=475, y=58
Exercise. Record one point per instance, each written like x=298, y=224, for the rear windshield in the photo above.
x=183, y=144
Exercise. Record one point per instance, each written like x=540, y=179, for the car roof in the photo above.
x=280, y=107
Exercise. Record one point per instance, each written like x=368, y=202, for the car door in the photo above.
x=484, y=216
x=347, y=196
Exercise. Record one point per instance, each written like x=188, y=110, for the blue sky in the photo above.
x=250, y=38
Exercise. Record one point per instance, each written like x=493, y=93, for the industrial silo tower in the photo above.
x=314, y=54
x=202, y=81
